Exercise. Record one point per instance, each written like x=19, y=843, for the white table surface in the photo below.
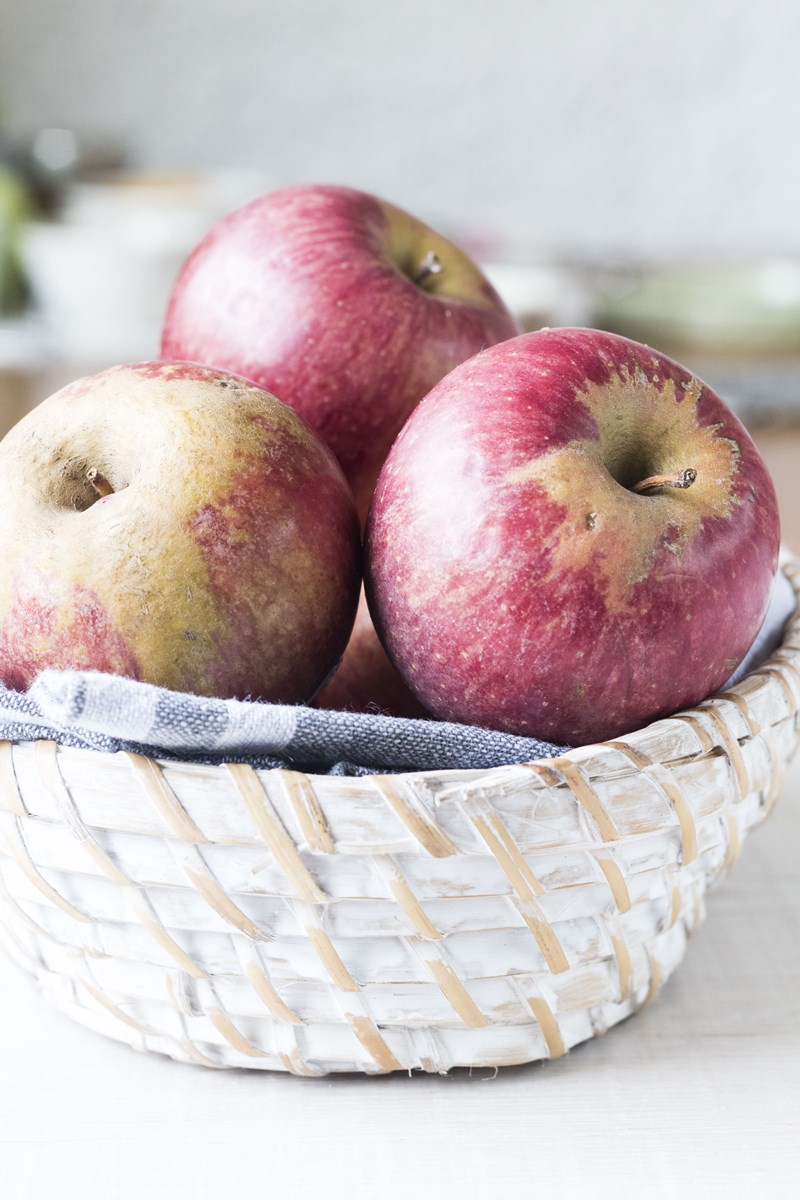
x=698, y=1096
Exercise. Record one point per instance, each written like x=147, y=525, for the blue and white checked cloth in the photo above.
x=94, y=711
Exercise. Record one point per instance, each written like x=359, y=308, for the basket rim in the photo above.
x=774, y=671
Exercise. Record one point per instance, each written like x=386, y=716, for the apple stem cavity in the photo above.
x=99, y=482
x=430, y=265
x=679, y=479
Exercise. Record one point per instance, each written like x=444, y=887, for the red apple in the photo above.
x=178, y=525
x=366, y=681
x=571, y=536
x=344, y=306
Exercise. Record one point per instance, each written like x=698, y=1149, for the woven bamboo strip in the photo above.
x=734, y=846
x=508, y=854
x=418, y=822
x=276, y=839
x=181, y=993
x=654, y=984
x=309, y=812
x=143, y=908
x=349, y=998
x=15, y=846
x=545, y=936
x=779, y=674
x=740, y=701
x=9, y=788
x=456, y=992
x=19, y=916
x=522, y=879
x=547, y=774
x=704, y=738
x=449, y=982
x=221, y=1021
x=100, y=998
x=164, y=799
x=731, y=747
x=624, y=964
x=587, y=797
x=401, y=891
x=187, y=1051
x=777, y=776
x=363, y=1026
x=367, y=1033
x=294, y=1064
x=329, y=957
x=331, y=960
x=675, y=905
x=543, y=1014
x=662, y=778
x=204, y=883
x=272, y=1001
x=615, y=880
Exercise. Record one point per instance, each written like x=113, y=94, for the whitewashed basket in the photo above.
x=270, y=919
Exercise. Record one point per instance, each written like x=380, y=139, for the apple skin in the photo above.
x=310, y=291
x=366, y=681
x=516, y=579
x=224, y=562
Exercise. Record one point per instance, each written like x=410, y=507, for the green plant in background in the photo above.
x=15, y=209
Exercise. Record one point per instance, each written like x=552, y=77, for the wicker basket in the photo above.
x=240, y=918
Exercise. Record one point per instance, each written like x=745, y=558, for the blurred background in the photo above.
x=629, y=166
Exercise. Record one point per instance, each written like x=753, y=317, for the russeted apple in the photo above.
x=178, y=525
x=571, y=536
x=350, y=310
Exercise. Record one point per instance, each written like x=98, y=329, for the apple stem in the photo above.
x=99, y=482
x=680, y=479
x=430, y=265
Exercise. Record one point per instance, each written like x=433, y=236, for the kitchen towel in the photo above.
x=91, y=710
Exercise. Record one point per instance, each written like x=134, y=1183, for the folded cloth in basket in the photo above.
x=90, y=710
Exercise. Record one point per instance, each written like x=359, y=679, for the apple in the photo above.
x=179, y=525
x=571, y=537
x=344, y=306
x=350, y=310
x=366, y=681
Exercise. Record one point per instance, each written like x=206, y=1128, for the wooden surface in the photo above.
x=780, y=448
x=697, y=1096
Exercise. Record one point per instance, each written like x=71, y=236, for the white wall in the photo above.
x=567, y=125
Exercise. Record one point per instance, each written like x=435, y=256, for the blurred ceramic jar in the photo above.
x=101, y=273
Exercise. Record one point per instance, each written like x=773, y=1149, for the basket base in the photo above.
x=270, y=1045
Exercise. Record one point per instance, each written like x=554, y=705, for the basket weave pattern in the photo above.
x=232, y=917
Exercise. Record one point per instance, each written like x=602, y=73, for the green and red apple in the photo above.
x=571, y=537
x=178, y=525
